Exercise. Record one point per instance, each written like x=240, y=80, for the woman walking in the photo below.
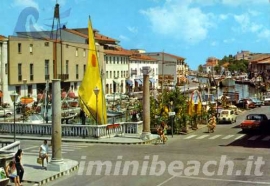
x=18, y=164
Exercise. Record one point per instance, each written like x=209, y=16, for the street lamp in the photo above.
x=14, y=97
x=96, y=91
x=24, y=103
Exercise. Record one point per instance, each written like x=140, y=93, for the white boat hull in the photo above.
x=228, y=82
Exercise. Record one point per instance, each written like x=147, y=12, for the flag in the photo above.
x=91, y=104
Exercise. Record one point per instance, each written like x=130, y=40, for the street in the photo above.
x=226, y=157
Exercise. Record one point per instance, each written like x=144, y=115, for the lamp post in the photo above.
x=24, y=103
x=14, y=97
x=96, y=91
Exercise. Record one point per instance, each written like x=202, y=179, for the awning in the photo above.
x=138, y=81
x=129, y=82
x=152, y=80
x=116, y=81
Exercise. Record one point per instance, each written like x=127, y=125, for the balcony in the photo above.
x=63, y=77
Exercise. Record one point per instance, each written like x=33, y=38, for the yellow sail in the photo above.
x=92, y=105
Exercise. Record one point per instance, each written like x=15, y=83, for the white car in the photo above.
x=112, y=97
x=5, y=112
x=227, y=115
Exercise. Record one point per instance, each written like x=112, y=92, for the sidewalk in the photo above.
x=35, y=175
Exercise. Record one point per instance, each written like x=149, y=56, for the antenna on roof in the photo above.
x=56, y=17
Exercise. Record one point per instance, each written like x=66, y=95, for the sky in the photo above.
x=192, y=29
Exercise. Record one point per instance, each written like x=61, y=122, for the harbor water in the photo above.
x=244, y=91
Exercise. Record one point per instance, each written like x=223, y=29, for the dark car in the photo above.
x=245, y=103
x=255, y=122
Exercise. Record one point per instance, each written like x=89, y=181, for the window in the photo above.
x=31, y=48
x=46, y=44
x=47, y=70
x=107, y=73
x=84, y=69
x=84, y=52
x=19, y=48
x=110, y=74
x=77, y=71
x=75, y=85
x=31, y=72
x=117, y=74
x=19, y=72
x=6, y=68
x=18, y=90
x=67, y=66
x=76, y=53
x=29, y=89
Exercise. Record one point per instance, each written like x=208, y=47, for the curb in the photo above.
x=54, y=177
x=76, y=140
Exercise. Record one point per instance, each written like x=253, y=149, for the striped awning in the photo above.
x=129, y=82
x=138, y=81
x=152, y=80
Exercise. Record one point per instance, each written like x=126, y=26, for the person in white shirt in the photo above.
x=43, y=152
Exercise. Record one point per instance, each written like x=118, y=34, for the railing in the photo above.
x=74, y=130
x=10, y=146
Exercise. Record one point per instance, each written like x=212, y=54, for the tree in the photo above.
x=200, y=68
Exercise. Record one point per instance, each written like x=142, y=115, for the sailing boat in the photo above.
x=93, y=103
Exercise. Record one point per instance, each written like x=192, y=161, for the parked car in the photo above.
x=5, y=112
x=245, y=103
x=266, y=101
x=112, y=97
x=257, y=102
x=122, y=96
x=255, y=122
x=227, y=115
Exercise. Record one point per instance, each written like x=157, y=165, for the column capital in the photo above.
x=146, y=70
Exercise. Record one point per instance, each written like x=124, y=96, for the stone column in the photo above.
x=146, y=133
x=57, y=163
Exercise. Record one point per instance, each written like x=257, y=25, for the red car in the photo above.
x=255, y=122
x=246, y=103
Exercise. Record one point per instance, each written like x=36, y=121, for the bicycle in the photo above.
x=162, y=138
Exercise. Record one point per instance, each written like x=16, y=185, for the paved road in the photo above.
x=226, y=157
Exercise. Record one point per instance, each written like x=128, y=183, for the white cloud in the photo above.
x=255, y=27
x=178, y=19
x=223, y=16
x=124, y=38
x=243, y=20
x=25, y=3
x=214, y=43
x=264, y=34
x=133, y=29
x=229, y=40
x=243, y=2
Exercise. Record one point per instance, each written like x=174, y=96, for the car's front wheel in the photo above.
x=8, y=115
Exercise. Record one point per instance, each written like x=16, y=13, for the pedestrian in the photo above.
x=18, y=164
x=10, y=172
x=212, y=123
x=43, y=153
x=82, y=115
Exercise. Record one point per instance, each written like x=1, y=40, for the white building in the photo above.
x=4, y=88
